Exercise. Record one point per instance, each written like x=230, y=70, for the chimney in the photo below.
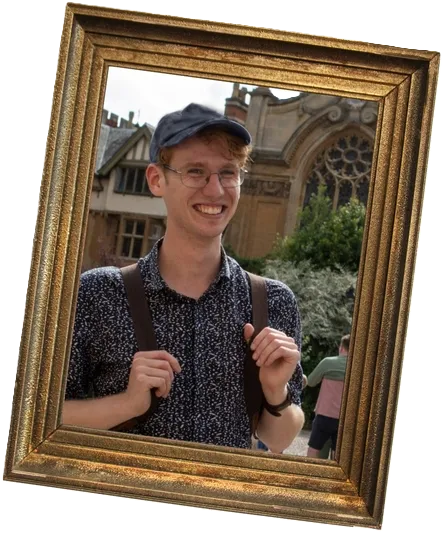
x=131, y=116
x=236, y=108
x=104, y=116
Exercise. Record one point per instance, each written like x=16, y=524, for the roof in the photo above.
x=114, y=143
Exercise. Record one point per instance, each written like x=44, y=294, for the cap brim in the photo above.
x=230, y=126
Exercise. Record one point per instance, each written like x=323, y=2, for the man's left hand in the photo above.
x=277, y=356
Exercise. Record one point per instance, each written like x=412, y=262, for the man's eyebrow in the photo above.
x=194, y=164
x=201, y=164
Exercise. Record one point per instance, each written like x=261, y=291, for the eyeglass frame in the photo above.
x=242, y=174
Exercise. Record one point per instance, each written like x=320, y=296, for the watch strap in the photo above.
x=275, y=409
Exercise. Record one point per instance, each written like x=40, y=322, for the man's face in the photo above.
x=204, y=212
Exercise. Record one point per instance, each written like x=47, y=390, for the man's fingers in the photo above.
x=154, y=370
x=142, y=364
x=265, y=337
x=167, y=376
x=176, y=366
x=271, y=344
x=248, y=331
x=162, y=366
x=159, y=355
x=281, y=350
x=284, y=352
x=154, y=382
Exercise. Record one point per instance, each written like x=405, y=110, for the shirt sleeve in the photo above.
x=317, y=375
x=284, y=315
x=80, y=366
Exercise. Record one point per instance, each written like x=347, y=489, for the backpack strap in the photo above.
x=144, y=332
x=253, y=389
x=146, y=340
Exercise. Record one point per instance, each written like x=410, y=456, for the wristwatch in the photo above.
x=275, y=409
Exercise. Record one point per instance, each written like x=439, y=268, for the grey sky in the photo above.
x=151, y=94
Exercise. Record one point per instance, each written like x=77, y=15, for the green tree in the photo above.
x=319, y=263
x=325, y=237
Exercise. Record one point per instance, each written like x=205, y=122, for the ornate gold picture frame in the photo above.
x=348, y=491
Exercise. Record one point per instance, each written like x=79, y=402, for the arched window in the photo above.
x=344, y=168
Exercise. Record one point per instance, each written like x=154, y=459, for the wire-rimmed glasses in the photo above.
x=197, y=177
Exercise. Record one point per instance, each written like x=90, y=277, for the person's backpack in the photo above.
x=145, y=337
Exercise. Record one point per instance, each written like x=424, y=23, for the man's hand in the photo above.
x=277, y=356
x=150, y=370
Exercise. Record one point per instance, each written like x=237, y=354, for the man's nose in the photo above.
x=213, y=185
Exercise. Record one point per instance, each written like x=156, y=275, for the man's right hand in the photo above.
x=150, y=370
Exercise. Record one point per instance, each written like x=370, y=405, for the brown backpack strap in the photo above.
x=145, y=337
x=253, y=389
x=144, y=332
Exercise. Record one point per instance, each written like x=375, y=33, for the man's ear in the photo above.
x=155, y=179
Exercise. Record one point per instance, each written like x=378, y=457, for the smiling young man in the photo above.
x=200, y=303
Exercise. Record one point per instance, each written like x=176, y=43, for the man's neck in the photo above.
x=189, y=265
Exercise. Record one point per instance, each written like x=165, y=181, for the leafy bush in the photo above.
x=256, y=265
x=325, y=298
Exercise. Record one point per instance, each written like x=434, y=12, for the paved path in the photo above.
x=300, y=444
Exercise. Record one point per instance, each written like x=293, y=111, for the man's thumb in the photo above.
x=248, y=331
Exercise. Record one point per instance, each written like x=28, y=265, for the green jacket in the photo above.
x=329, y=368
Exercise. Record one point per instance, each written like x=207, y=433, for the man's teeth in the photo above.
x=210, y=210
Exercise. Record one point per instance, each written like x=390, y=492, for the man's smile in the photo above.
x=209, y=209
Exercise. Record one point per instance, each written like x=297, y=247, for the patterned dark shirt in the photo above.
x=206, y=402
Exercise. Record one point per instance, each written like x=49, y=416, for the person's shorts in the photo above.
x=322, y=429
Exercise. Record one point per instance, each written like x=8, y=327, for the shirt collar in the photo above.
x=152, y=277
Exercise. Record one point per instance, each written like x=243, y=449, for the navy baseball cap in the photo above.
x=178, y=126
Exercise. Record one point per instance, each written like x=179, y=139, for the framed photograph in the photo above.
x=394, y=88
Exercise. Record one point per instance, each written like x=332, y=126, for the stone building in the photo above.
x=298, y=143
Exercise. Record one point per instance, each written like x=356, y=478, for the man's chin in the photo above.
x=207, y=228
x=210, y=234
